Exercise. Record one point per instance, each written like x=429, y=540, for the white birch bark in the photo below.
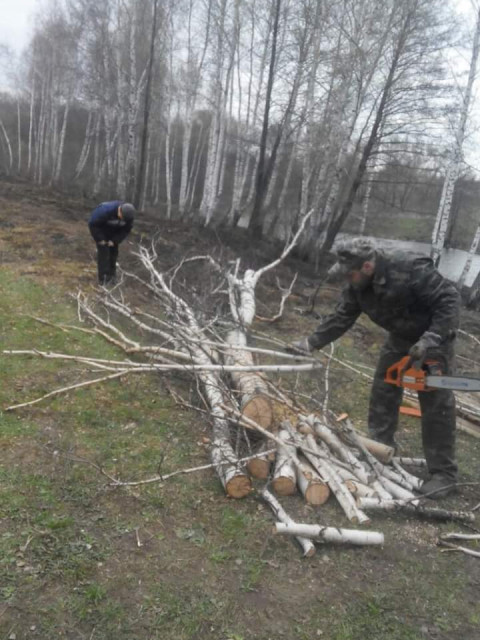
x=331, y=534
x=61, y=144
x=315, y=491
x=233, y=478
x=284, y=479
x=456, y=160
x=9, y=146
x=468, y=263
x=336, y=484
x=31, y=124
x=340, y=450
x=82, y=159
x=191, y=90
x=307, y=545
x=19, y=134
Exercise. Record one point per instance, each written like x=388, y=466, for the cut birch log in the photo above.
x=382, y=452
x=354, y=485
x=380, y=490
x=345, y=454
x=331, y=534
x=254, y=400
x=373, y=504
x=398, y=492
x=307, y=545
x=315, y=491
x=284, y=481
x=327, y=472
x=259, y=467
x=411, y=462
x=414, y=481
x=235, y=482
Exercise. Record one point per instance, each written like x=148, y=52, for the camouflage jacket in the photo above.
x=407, y=296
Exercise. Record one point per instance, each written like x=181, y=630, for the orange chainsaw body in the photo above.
x=403, y=375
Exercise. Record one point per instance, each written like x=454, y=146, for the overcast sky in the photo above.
x=16, y=17
x=15, y=22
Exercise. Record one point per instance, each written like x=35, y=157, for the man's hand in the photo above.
x=300, y=347
x=102, y=243
x=110, y=243
x=418, y=353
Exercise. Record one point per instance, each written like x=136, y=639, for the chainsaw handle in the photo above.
x=395, y=373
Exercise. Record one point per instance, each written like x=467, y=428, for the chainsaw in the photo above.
x=427, y=378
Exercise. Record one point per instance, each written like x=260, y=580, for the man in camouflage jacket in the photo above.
x=408, y=297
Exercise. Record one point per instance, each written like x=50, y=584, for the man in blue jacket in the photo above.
x=109, y=224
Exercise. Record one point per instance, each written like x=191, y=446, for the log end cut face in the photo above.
x=259, y=468
x=259, y=409
x=239, y=486
x=284, y=486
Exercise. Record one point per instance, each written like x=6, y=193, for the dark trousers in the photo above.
x=437, y=407
x=106, y=263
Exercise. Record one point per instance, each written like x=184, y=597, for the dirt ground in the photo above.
x=80, y=560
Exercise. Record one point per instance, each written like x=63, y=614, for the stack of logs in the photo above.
x=319, y=460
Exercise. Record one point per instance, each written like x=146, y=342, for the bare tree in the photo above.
x=456, y=156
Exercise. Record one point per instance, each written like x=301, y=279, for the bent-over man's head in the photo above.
x=355, y=261
x=126, y=212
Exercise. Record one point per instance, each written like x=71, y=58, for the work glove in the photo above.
x=300, y=347
x=110, y=243
x=418, y=353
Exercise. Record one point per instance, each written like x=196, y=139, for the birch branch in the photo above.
x=454, y=547
x=307, y=545
x=331, y=534
x=285, y=295
x=70, y=388
x=373, y=504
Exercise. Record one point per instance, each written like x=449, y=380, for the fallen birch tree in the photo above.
x=257, y=430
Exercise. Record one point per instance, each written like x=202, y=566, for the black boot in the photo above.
x=439, y=486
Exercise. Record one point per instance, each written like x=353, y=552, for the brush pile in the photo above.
x=258, y=430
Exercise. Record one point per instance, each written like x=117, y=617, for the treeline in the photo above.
x=240, y=111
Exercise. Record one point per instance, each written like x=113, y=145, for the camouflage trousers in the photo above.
x=438, y=407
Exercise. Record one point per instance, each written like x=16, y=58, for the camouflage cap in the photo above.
x=352, y=254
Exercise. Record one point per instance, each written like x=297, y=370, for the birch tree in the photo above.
x=456, y=155
x=409, y=58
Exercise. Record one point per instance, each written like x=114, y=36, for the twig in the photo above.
x=307, y=545
x=460, y=536
x=70, y=388
x=454, y=547
x=285, y=295
x=115, y=482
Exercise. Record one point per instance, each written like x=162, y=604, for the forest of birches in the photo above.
x=253, y=112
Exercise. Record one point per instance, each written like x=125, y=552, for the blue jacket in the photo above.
x=104, y=223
